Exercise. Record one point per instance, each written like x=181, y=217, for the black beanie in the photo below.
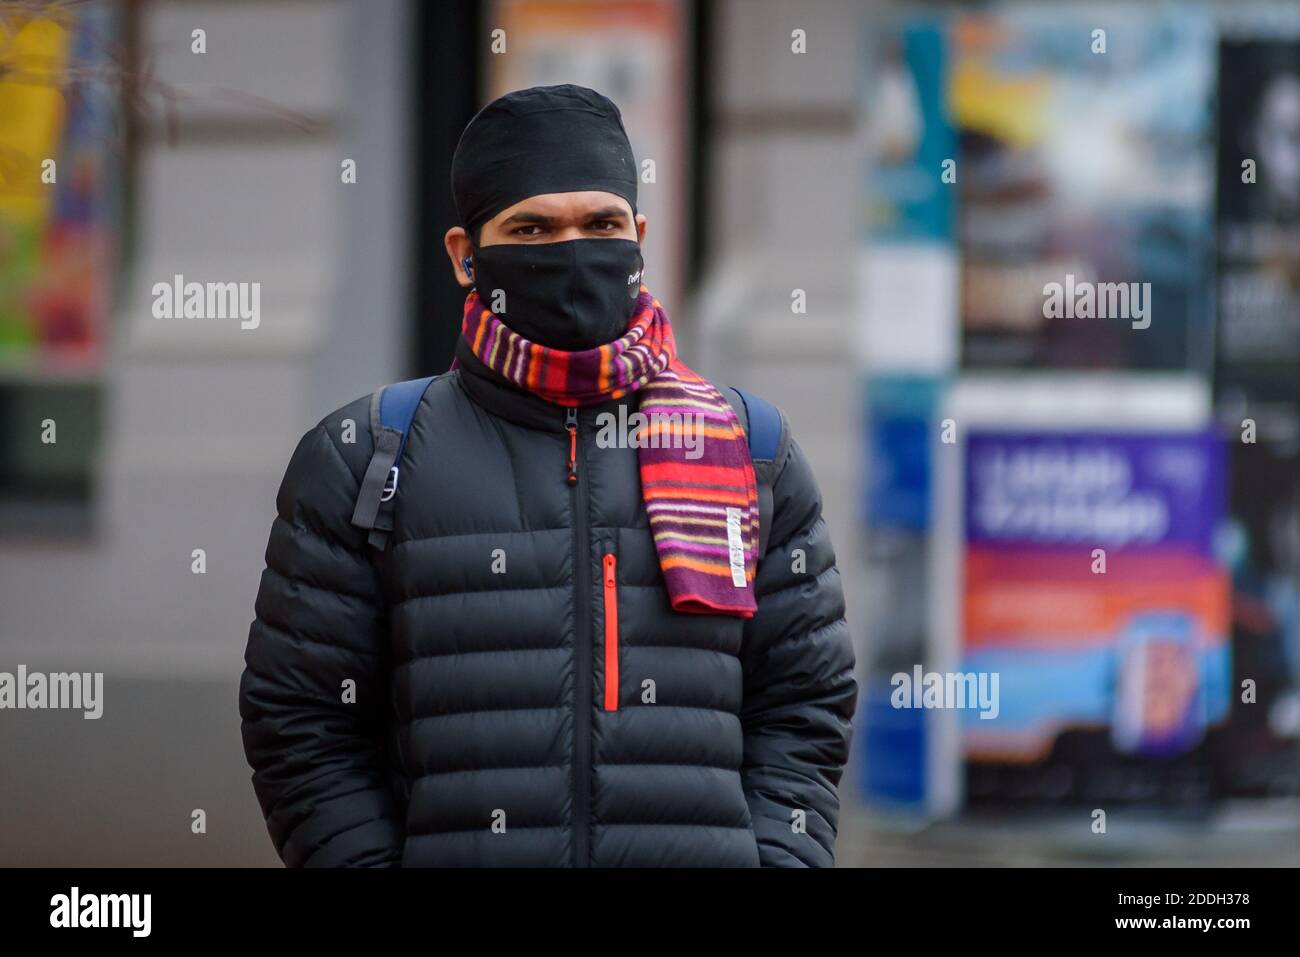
x=546, y=139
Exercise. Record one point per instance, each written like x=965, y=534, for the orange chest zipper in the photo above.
x=571, y=425
x=611, y=631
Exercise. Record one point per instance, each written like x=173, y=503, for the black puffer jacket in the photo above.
x=478, y=734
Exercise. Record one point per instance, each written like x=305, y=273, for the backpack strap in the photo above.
x=768, y=437
x=392, y=409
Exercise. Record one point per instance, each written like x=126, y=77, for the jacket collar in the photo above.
x=503, y=398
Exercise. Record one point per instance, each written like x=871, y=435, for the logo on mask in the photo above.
x=634, y=278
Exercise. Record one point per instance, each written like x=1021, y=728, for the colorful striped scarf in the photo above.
x=703, y=511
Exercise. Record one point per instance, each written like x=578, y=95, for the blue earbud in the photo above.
x=469, y=266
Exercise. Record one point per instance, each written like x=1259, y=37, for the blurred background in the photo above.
x=889, y=219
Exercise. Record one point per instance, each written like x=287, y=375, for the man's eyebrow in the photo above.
x=524, y=216
x=541, y=219
x=609, y=212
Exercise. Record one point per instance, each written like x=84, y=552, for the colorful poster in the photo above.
x=56, y=193
x=1092, y=593
x=1085, y=181
x=908, y=266
x=900, y=417
x=908, y=136
x=895, y=582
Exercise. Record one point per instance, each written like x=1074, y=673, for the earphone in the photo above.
x=469, y=266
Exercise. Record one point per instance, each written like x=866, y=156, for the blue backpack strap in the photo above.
x=397, y=405
x=765, y=429
x=764, y=426
x=392, y=410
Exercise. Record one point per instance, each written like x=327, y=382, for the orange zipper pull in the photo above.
x=571, y=423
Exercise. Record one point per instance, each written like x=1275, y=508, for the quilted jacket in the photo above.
x=507, y=685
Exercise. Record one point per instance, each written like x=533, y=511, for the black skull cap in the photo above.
x=545, y=139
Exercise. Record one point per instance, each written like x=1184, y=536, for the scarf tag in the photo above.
x=735, y=548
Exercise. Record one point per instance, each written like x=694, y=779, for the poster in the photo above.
x=57, y=215
x=1092, y=591
x=1085, y=163
x=907, y=135
x=900, y=419
x=908, y=266
x=899, y=415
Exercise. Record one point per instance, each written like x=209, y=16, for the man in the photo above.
x=554, y=648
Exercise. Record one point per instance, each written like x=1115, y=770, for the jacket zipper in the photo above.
x=571, y=425
x=582, y=626
x=611, y=631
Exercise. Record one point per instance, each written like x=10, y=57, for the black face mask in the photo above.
x=571, y=296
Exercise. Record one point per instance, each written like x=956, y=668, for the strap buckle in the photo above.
x=390, y=485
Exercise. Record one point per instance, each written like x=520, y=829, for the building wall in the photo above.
x=201, y=419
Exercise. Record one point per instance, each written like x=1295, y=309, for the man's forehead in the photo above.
x=567, y=205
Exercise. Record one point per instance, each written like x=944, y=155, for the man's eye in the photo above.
x=524, y=230
x=603, y=225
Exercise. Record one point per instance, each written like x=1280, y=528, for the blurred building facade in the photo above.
x=199, y=418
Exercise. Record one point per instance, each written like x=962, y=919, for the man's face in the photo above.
x=549, y=218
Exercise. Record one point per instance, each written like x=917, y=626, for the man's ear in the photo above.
x=458, y=249
x=640, y=227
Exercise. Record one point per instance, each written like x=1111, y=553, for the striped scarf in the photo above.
x=703, y=511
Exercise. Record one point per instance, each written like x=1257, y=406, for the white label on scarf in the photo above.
x=736, y=548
